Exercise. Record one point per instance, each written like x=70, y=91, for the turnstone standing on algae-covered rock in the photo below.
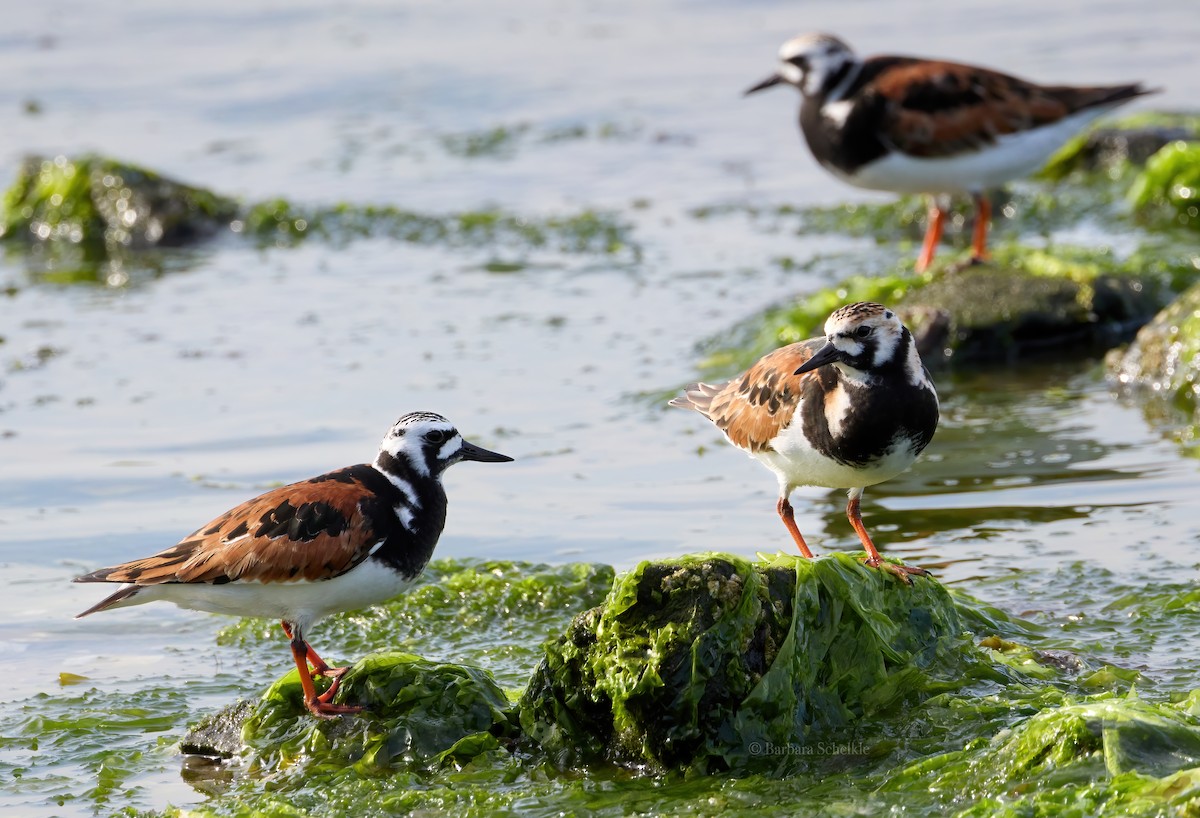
x=849, y=410
x=913, y=125
x=338, y=542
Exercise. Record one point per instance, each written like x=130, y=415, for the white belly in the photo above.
x=796, y=463
x=301, y=602
x=1011, y=157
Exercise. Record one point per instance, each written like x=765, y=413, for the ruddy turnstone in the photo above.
x=849, y=410
x=912, y=125
x=338, y=542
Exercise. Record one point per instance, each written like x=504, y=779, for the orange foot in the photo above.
x=325, y=710
x=902, y=572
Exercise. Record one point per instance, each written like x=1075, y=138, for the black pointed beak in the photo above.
x=825, y=355
x=470, y=451
x=774, y=79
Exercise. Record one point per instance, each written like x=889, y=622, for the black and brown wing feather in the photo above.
x=312, y=530
x=754, y=407
x=934, y=108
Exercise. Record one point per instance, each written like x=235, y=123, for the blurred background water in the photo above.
x=132, y=413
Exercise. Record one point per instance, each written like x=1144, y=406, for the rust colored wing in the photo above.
x=753, y=407
x=312, y=530
x=933, y=108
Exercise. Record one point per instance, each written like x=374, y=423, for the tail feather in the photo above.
x=1101, y=97
x=110, y=600
x=697, y=397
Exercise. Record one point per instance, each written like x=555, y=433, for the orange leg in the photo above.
x=303, y=654
x=789, y=519
x=983, y=217
x=933, y=235
x=318, y=664
x=873, y=558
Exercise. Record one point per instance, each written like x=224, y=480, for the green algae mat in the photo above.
x=703, y=685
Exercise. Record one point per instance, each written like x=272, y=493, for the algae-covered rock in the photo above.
x=96, y=200
x=1164, y=359
x=1131, y=140
x=82, y=212
x=701, y=662
x=1021, y=304
x=1170, y=185
x=1114, y=756
x=419, y=714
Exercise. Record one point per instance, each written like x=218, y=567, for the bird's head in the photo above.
x=860, y=339
x=810, y=62
x=431, y=444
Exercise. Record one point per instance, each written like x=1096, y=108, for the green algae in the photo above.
x=1161, y=368
x=1120, y=147
x=504, y=141
x=419, y=714
x=94, y=200
x=1168, y=189
x=282, y=223
x=494, y=614
x=93, y=219
x=1038, y=700
x=701, y=662
x=497, y=142
x=968, y=720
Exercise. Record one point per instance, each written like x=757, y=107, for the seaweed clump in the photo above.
x=706, y=663
x=419, y=715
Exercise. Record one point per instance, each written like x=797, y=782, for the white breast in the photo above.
x=796, y=463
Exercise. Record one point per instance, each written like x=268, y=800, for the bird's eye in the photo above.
x=435, y=436
x=863, y=331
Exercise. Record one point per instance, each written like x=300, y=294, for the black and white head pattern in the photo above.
x=426, y=441
x=870, y=338
x=815, y=63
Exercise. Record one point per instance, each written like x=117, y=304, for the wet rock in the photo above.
x=1112, y=146
x=1163, y=362
x=95, y=200
x=1024, y=303
x=219, y=735
x=420, y=714
x=699, y=663
x=1010, y=311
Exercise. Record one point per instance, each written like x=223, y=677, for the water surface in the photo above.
x=130, y=414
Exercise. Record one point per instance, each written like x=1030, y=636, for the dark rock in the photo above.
x=219, y=735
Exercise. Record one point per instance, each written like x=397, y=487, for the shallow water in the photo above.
x=131, y=414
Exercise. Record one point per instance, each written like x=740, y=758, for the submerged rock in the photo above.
x=705, y=662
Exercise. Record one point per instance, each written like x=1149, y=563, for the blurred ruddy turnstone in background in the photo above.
x=913, y=125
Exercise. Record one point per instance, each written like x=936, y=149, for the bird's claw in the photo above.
x=902, y=572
